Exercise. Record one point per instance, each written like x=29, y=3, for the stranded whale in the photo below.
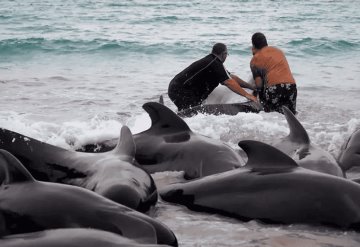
x=75, y=237
x=170, y=145
x=111, y=174
x=221, y=109
x=27, y=205
x=299, y=147
x=350, y=152
x=223, y=101
x=271, y=187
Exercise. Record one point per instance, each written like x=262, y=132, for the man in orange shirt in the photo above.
x=273, y=78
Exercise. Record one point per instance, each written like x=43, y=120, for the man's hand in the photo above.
x=252, y=97
x=255, y=93
x=235, y=87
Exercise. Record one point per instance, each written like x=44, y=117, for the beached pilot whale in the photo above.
x=223, y=101
x=299, y=147
x=271, y=187
x=221, y=109
x=27, y=205
x=75, y=237
x=112, y=174
x=170, y=145
x=350, y=152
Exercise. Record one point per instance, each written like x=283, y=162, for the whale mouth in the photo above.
x=177, y=196
x=148, y=203
x=172, y=195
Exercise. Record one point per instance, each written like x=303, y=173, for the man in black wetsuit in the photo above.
x=194, y=84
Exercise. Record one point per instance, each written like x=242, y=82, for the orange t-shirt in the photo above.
x=271, y=65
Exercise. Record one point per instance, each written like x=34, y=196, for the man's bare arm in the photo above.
x=235, y=87
x=242, y=83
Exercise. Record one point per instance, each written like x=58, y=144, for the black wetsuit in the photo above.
x=194, y=84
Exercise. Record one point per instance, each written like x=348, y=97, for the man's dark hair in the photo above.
x=259, y=40
x=218, y=48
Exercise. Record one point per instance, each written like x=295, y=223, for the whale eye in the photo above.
x=165, y=126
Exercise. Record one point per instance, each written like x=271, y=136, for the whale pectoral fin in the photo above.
x=163, y=119
x=11, y=169
x=126, y=144
x=130, y=226
x=297, y=133
x=264, y=156
x=350, y=158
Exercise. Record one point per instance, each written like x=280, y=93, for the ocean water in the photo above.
x=73, y=72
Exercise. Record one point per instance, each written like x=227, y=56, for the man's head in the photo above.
x=258, y=41
x=220, y=50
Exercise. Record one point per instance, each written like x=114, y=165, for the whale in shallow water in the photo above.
x=75, y=237
x=27, y=205
x=221, y=109
x=170, y=145
x=271, y=187
x=223, y=101
x=299, y=147
x=349, y=156
x=111, y=174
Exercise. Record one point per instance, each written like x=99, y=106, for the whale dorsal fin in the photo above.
x=11, y=169
x=297, y=132
x=126, y=144
x=264, y=156
x=164, y=120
